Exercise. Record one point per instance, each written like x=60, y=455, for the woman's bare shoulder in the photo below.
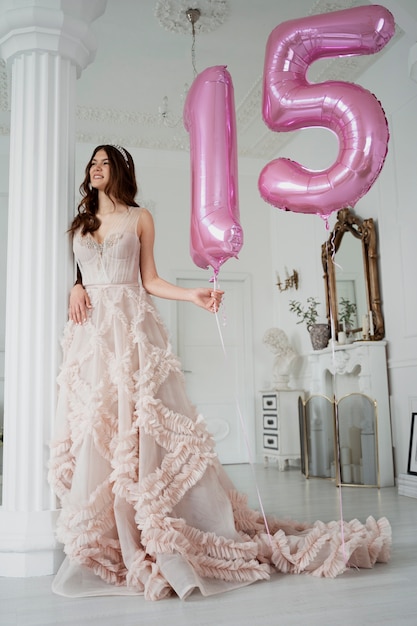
x=144, y=220
x=140, y=211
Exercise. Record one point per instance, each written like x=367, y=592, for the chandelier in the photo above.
x=178, y=16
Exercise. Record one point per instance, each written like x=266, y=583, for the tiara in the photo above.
x=122, y=152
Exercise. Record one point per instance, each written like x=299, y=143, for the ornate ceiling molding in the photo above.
x=117, y=116
x=324, y=6
x=133, y=140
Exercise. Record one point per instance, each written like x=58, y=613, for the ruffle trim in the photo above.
x=61, y=467
x=318, y=549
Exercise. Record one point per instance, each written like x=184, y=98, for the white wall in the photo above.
x=392, y=202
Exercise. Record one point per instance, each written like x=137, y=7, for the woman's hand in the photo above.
x=79, y=303
x=209, y=299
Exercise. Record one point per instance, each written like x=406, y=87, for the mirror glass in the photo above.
x=350, y=263
x=350, y=278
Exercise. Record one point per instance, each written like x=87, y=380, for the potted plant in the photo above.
x=347, y=311
x=319, y=333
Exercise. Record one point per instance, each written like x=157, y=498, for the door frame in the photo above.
x=247, y=404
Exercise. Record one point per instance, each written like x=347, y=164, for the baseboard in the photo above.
x=407, y=485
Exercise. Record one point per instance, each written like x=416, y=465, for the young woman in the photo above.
x=146, y=506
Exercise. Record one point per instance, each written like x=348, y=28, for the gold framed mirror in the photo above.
x=350, y=264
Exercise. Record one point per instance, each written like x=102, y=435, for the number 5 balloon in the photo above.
x=209, y=117
x=290, y=102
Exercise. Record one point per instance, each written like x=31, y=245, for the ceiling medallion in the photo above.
x=173, y=15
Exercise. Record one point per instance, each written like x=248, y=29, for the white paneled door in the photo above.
x=216, y=356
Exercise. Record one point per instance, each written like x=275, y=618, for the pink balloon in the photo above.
x=290, y=102
x=209, y=117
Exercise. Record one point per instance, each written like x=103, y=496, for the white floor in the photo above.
x=385, y=595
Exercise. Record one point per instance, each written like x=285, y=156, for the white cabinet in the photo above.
x=280, y=426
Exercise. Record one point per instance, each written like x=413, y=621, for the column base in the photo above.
x=28, y=546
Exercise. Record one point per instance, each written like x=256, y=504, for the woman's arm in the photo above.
x=204, y=297
x=79, y=301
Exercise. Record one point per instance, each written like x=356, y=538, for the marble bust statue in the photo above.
x=277, y=341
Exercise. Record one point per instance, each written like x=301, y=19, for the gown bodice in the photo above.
x=116, y=260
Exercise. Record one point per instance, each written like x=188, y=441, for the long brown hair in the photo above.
x=122, y=187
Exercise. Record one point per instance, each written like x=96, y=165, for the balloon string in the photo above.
x=245, y=433
x=338, y=451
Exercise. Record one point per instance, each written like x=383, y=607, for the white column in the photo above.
x=46, y=44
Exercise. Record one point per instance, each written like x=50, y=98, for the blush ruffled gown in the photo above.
x=146, y=506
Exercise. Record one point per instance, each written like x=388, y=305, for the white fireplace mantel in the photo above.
x=359, y=367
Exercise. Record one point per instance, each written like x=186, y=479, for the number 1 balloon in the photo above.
x=209, y=117
x=290, y=102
